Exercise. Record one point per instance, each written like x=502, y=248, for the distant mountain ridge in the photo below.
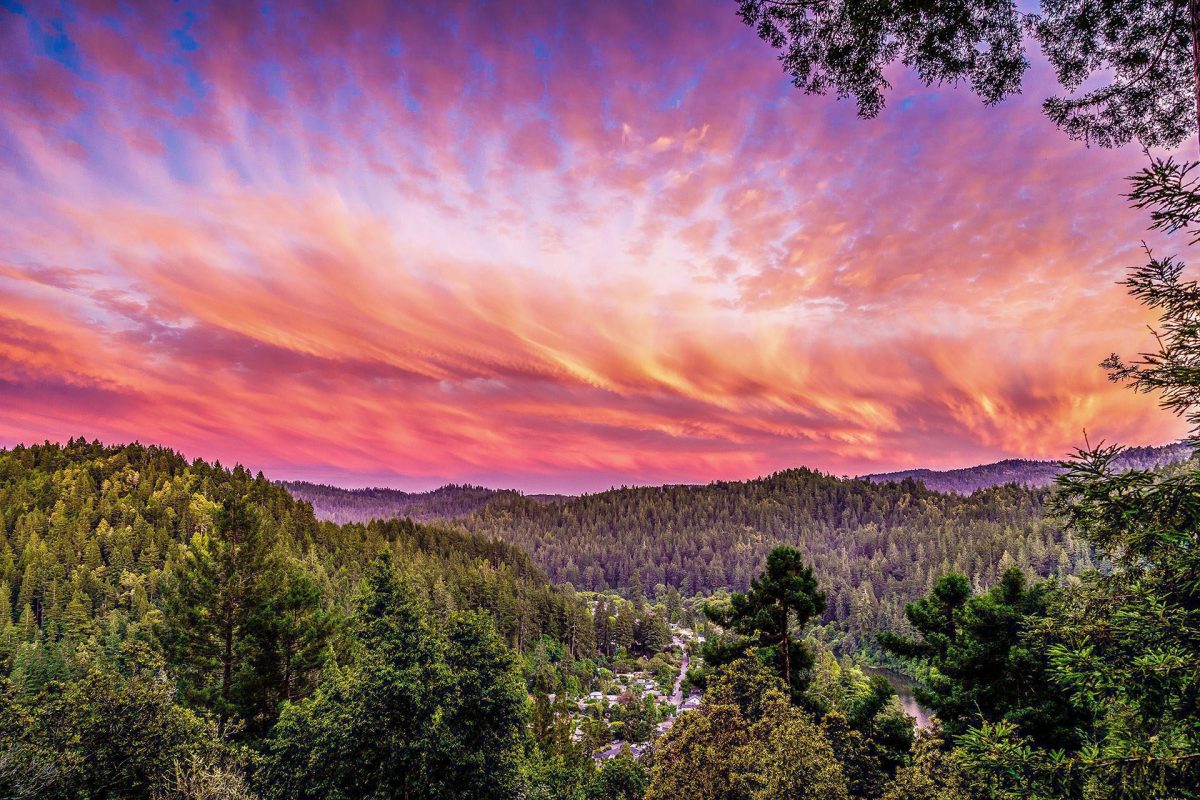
x=1027, y=472
x=454, y=501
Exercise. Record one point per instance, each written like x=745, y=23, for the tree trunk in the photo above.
x=787, y=652
x=227, y=657
x=287, y=672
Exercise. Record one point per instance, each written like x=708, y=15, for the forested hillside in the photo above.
x=876, y=546
x=97, y=532
x=175, y=629
x=582, y=243
x=873, y=546
x=1027, y=472
x=158, y=616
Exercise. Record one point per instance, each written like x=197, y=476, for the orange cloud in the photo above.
x=557, y=250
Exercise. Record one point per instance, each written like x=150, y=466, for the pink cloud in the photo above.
x=563, y=248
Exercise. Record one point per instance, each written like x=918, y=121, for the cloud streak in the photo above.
x=559, y=249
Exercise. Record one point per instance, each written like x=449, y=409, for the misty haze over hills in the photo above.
x=453, y=501
x=334, y=504
x=338, y=505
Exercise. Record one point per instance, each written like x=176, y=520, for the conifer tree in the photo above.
x=779, y=604
x=214, y=597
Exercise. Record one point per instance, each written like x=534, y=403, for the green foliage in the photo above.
x=555, y=776
x=1012, y=767
x=154, y=604
x=873, y=547
x=418, y=714
x=767, y=618
x=216, y=604
x=1120, y=646
x=115, y=732
x=137, y=543
x=1125, y=644
x=935, y=618
x=695, y=758
x=485, y=711
x=619, y=778
x=245, y=604
x=789, y=757
x=746, y=742
x=936, y=773
x=977, y=665
x=863, y=720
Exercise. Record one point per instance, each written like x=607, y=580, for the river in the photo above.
x=903, y=686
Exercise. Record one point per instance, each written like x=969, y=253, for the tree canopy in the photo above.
x=768, y=618
x=1126, y=67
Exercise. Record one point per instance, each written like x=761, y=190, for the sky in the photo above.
x=553, y=246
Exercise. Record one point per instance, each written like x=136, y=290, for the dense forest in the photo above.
x=874, y=546
x=179, y=629
x=161, y=620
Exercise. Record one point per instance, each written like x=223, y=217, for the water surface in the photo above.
x=903, y=686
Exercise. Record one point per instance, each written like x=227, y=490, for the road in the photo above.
x=677, y=695
x=614, y=749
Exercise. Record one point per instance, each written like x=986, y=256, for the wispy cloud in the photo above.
x=560, y=246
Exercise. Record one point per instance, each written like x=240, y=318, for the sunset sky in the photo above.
x=553, y=246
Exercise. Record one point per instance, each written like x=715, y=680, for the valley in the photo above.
x=811, y=389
